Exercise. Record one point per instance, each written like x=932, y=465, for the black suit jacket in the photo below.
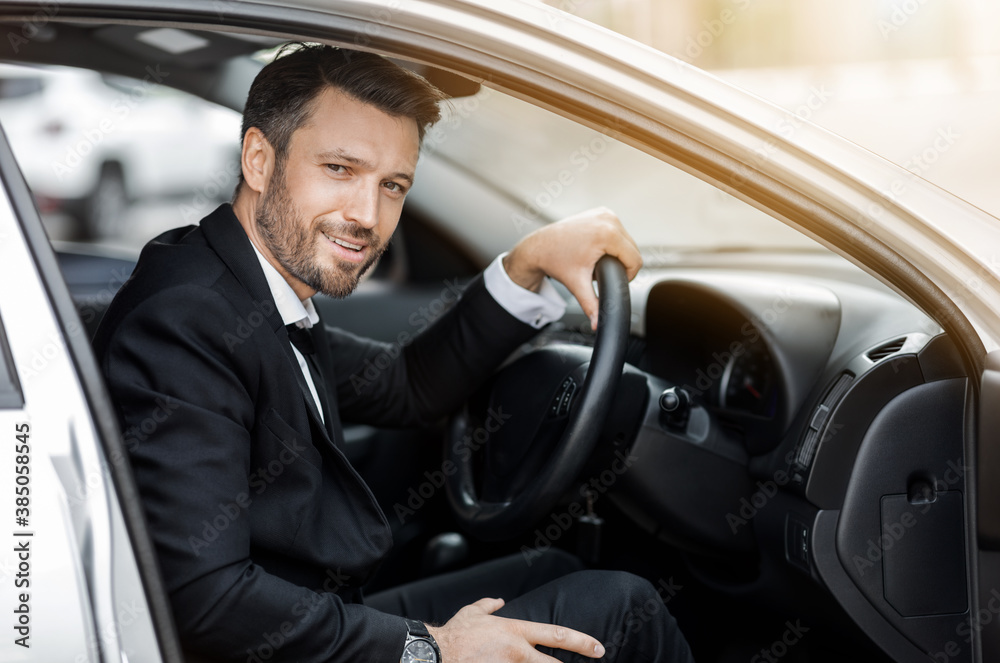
x=264, y=530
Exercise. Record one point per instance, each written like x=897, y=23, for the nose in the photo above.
x=363, y=206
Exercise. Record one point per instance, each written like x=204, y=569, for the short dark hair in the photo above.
x=281, y=96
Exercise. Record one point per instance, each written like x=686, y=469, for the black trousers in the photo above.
x=623, y=611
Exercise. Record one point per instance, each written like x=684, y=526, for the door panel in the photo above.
x=79, y=549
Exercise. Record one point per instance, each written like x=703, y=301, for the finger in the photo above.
x=582, y=287
x=623, y=246
x=535, y=656
x=631, y=259
x=560, y=637
x=627, y=252
x=485, y=606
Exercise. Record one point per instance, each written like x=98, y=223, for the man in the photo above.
x=265, y=533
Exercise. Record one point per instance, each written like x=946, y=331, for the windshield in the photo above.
x=555, y=167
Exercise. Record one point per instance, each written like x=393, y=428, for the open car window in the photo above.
x=553, y=167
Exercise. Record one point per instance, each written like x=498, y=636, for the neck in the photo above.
x=245, y=208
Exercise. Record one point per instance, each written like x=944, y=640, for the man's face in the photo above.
x=330, y=209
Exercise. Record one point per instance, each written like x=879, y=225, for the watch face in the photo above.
x=419, y=651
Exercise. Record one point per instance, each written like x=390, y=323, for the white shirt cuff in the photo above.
x=534, y=308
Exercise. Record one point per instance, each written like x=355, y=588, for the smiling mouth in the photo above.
x=344, y=243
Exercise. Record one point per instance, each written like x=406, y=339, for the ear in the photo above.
x=257, y=160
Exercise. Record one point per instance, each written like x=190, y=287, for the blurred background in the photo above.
x=115, y=160
x=915, y=81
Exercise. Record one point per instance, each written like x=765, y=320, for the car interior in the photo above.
x=782, y=446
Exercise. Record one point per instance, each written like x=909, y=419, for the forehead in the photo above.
x=338, y=121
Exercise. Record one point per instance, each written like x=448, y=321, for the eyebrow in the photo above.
x=340, y=155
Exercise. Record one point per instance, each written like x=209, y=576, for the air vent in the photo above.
x=886, y=349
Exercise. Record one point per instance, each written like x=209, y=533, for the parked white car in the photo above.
x=89, y=143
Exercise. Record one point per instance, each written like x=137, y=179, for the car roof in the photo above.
x=217, y=66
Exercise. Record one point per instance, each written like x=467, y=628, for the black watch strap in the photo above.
x=417, y=628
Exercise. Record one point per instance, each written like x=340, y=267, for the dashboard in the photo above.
x=827, y=410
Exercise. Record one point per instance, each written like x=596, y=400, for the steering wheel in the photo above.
x=529, y=432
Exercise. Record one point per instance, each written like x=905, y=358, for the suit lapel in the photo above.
x=228, y=239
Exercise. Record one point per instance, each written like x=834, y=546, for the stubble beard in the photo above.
x=294, y=243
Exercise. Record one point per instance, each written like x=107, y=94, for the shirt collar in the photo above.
x=290, y=307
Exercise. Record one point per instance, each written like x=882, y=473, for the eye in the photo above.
x=337, y=168
x=394, y=187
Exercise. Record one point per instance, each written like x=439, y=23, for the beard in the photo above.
x=295, y=243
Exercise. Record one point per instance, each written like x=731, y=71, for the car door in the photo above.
x=77, y=573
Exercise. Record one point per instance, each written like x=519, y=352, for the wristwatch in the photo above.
x=420, y=646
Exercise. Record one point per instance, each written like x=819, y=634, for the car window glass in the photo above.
x=556, y=167
x=17, y=86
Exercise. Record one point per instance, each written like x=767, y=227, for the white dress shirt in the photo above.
x=536, y=309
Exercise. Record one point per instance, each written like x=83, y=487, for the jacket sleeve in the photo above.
x=186, y=398
x=428, y=373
